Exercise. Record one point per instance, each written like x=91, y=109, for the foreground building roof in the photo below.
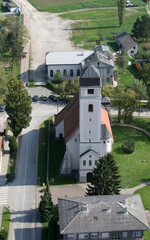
x=101, y=214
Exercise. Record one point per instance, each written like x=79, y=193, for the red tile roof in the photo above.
x=70, y=114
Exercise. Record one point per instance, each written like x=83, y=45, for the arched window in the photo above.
x=95, y=162
x=90, y=162
x=78, y=72
x=71, y=72
x=65, y=73
x=51, y=73
x=90, y=107
x=84, y=162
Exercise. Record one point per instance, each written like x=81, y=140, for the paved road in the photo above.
x=21, y=194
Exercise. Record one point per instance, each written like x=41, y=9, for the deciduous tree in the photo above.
x=144, y=73
x=107, y=90
x=18, y=106
x=105, y=180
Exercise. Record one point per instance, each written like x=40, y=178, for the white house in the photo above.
x=70, y=64
x=125, y=42
x=67, y=63
x=85, y=126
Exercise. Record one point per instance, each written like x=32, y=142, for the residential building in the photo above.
x=85, y=126
x=70, y=64
x=111, y=217
x=126, y=43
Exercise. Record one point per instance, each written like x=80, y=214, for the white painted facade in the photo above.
x=67, y=71
x=59, y=129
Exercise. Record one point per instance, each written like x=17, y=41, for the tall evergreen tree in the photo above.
x=105, y=180
x=46, y=206
x=18, y=106
x=121, y=10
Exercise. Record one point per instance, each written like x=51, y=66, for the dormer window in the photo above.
x=90, y=91
x=90, y=107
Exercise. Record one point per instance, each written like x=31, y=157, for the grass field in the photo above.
x=67, y=5
x=6, y=220
x=145, y=195
x=85, y=33
x=134, y=168
x=143, y=122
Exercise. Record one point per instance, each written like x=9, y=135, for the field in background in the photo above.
x=68, y=5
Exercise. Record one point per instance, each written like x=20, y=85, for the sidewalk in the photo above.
x=3, y=173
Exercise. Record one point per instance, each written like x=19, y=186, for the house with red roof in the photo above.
x=85, y=126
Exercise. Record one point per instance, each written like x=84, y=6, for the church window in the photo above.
x=71, y=73
x=75, y=140
x=90, y=131
x=51, y=73
x=90, y=162
x=65, y=73
x=95, y=162
x=90, y=107
x=108, y=79
x=78, y=72
x=90, y=91
x=90, y=119
x=84, y=162
x=89, y=140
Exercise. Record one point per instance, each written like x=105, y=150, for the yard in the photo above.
x=145, y=195
x=133, y=168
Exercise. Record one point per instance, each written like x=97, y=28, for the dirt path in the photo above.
x=48, y=33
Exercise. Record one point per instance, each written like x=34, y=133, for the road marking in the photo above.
x=3, y=195
x=24, y=194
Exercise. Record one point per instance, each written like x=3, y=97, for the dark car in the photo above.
x=44, y=97
x=35, y=98
x=2, y=108
x=53, y=98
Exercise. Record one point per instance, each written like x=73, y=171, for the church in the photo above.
x=84, y=125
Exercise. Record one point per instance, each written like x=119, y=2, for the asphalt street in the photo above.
x=25, y=222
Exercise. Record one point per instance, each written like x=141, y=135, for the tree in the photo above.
x=18, y=106
x=141, y=27
x=122, y=60
x=46, y=206
x=2, y=84
x=125, y=100
x=107, y=90
x=3, y=234
x=58, y=76
x=105, y=180
x=121, y=10
x=144, y=73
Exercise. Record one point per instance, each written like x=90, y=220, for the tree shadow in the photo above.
x=88, y=28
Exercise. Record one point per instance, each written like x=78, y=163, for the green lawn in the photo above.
x=134, y=168
x=85, y=33
x=145, y=195
x=67, y=5
x=143, y=122
x=6, y=220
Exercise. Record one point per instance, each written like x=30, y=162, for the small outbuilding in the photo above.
x=11, y=6
x=126, y=43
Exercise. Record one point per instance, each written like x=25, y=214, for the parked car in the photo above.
x=44, y=97
x=2, y=108
x=35, y=98
x=53, y=98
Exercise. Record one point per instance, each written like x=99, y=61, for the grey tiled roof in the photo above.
x=102, y=214
x=90, y=76
x=105, y=100
x=105, y=134
x=126, y=41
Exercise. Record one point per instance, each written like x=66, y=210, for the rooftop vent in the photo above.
x=108, y=209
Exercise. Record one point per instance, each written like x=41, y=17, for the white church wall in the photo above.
x=88, y=161
x=72, y=147
x=59, y=129
x=61, y=68
x=90, y=121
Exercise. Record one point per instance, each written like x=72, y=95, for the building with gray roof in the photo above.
x=125, y=42
x=102, y=217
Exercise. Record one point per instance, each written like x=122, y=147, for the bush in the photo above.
x=12, y=144
x=3, y=234
x=128, y=147
x=10, y=176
